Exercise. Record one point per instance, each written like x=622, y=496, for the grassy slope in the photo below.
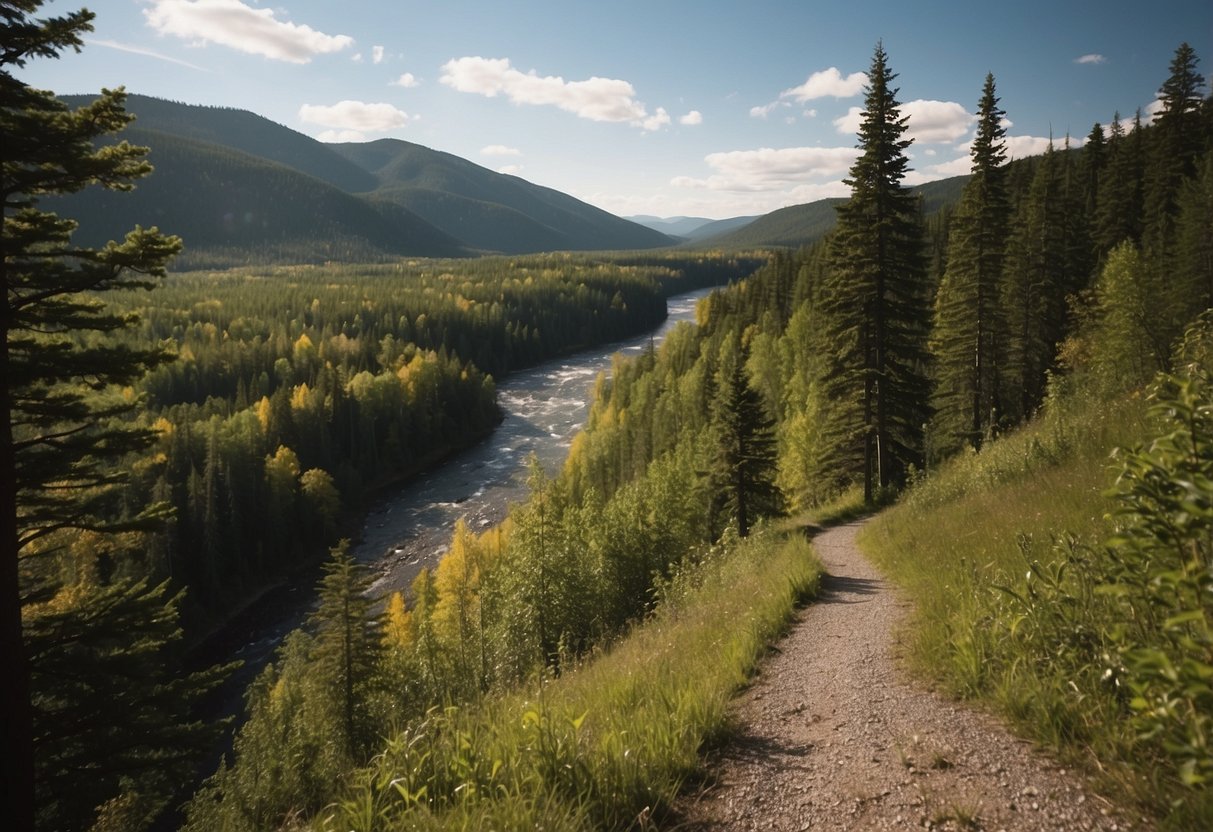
x=608, y=745
x=979, y=523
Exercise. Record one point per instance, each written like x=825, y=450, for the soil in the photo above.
x=833, y=734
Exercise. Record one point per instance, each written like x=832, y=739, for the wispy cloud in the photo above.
x=406, y=80
x=499, y=150
x=596, y=99
x=510, y=170
x=352, y=120
x=236, y=25
x=376, y=54
x=139, y=50
x=692, y=118
x=769, y=169
x=1092, y=58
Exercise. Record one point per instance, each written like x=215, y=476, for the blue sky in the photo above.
x=660, y=107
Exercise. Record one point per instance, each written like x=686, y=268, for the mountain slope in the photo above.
x=799, y=225
x=233, y=208
x=248, y=132
x=428, y=181
x=794, y=226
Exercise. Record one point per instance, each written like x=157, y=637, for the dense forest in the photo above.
x=169, y=453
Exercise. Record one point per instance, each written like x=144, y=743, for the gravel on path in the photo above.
x=832, y=735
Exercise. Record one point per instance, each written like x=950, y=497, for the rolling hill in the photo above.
x=488, y=210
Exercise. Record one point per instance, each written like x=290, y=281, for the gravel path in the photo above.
x=832, y=736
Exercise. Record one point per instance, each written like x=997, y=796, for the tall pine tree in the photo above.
x=875, y=309
x=63, y=436
x=1176, y=145
x=970, y=328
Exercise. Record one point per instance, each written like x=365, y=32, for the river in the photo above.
x=410, y=527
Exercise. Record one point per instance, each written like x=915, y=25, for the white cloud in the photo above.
x=827, y=83
x=356, y=57
x=596, y=99
x=810, y=113
x=499, y=150
x=354, y=115
x=1020, y=146
x=849, y=124
x=692, y=118
x=376, y=54
x=1092, y=58
x=764, y=110
x=929, y=121
x=341, y=136
x=233, y=24
x=408, y=79
x=511, y=170
x=769, y=169
x=656, y=121
x=937, y=121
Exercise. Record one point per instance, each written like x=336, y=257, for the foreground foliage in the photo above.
x=1096, y=638
x=607, y=745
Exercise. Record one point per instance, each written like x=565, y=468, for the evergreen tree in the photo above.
x=61, y=435
x=347, y=644
x=1177, y=143
x=745, y=469
x=1034, y=288
x=1118, y=208
x=969, y=335
x=874, y=309
x=1094, y=160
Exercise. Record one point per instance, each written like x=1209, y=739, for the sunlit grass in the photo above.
x=607, y=745
x=990, y=529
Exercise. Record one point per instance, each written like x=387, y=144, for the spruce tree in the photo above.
x=1177, y=143
x=744, y=470
x=875, y=310
x=63, y=436
x=347, y=643
x=969, y=335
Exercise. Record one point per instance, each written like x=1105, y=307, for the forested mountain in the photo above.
x=800, y=225
x=489, y=210
x=249, y=132
x=236, y=208
x=245, y=190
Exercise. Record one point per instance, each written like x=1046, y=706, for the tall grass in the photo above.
x=606, y=745
x=999, y=550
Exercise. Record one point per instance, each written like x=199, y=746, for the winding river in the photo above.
x=409, y=528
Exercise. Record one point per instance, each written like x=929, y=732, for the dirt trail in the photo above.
x=833, y=736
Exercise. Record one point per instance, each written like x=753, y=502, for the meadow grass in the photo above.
x=997, y=550
x=607, y=745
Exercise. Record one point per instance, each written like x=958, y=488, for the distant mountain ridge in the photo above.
x=240, y=189
x=467, y=200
